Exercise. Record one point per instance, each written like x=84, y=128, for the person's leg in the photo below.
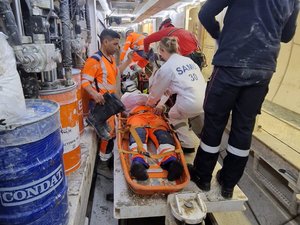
x=139, y=166
x=142, y=133
x=105, y=151
x=180, y=124
x=107, y=146
x=163, y=140
x=219, y=100
x=247, y=106
x=170, y=163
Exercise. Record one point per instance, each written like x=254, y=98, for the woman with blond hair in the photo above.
x=181, y=76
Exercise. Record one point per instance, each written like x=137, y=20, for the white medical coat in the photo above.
x=181, y=76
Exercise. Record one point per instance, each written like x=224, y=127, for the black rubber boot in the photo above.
x=138, y=170
x=109, y=148
x=204, y=186
x=232, y=170
x=204, y=165
x=174, y=169
x=226, y=192
x=99, y=114
x=99, y=128
x=111, y=107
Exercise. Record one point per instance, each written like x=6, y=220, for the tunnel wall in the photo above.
x=285, y=84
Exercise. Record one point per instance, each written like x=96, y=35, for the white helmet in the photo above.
x=129, y=85
x=133, y=99
x=128, y=29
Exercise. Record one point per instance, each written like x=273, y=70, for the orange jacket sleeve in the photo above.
x=126, y=46
x=89, y=72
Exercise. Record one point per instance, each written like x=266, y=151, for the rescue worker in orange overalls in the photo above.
x=100, y=73
x=134, y=41
x=149, y=125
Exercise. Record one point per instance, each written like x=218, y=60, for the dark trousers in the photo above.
x=161, y=136
x=239, y=91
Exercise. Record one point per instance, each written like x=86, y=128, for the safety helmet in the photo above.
x=166, y=23
x=129, y=29
x=129, y=85
x=133, y=99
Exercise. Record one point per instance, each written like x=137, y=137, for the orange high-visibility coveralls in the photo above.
x=105, y=70
x=135, y=41
x=148, y=124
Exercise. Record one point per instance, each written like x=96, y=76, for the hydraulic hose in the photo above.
x=66, y=37
x=9, y=21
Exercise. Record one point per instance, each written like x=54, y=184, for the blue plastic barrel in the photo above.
x=33, y=187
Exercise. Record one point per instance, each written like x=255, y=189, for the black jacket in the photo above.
x=252, y=32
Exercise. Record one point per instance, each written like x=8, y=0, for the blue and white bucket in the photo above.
x=33, y=186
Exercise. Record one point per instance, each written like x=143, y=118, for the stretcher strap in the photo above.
x=140, y=149
x=152, y=156
x=137, y=139
x=179, y=125
x=139, y=112
x=124, y=130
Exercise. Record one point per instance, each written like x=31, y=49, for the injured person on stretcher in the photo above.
x=148, y=125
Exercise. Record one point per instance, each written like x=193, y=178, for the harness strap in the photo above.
x=138, y=112
x=149, y=126
x=140, y=149
x=152, y=156
x=179, y=125
x=124, y=130
x=137, y=139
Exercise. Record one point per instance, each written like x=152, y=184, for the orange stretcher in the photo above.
x=157, y=181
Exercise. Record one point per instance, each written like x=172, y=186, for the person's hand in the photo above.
x=167, y=93
x=158, y=110
x=130, y=56
x=150, y=105
x=98, y=98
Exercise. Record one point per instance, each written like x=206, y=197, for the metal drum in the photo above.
x=33, y=187
x=67, y=99
x=85, y=102
x=77, y=78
